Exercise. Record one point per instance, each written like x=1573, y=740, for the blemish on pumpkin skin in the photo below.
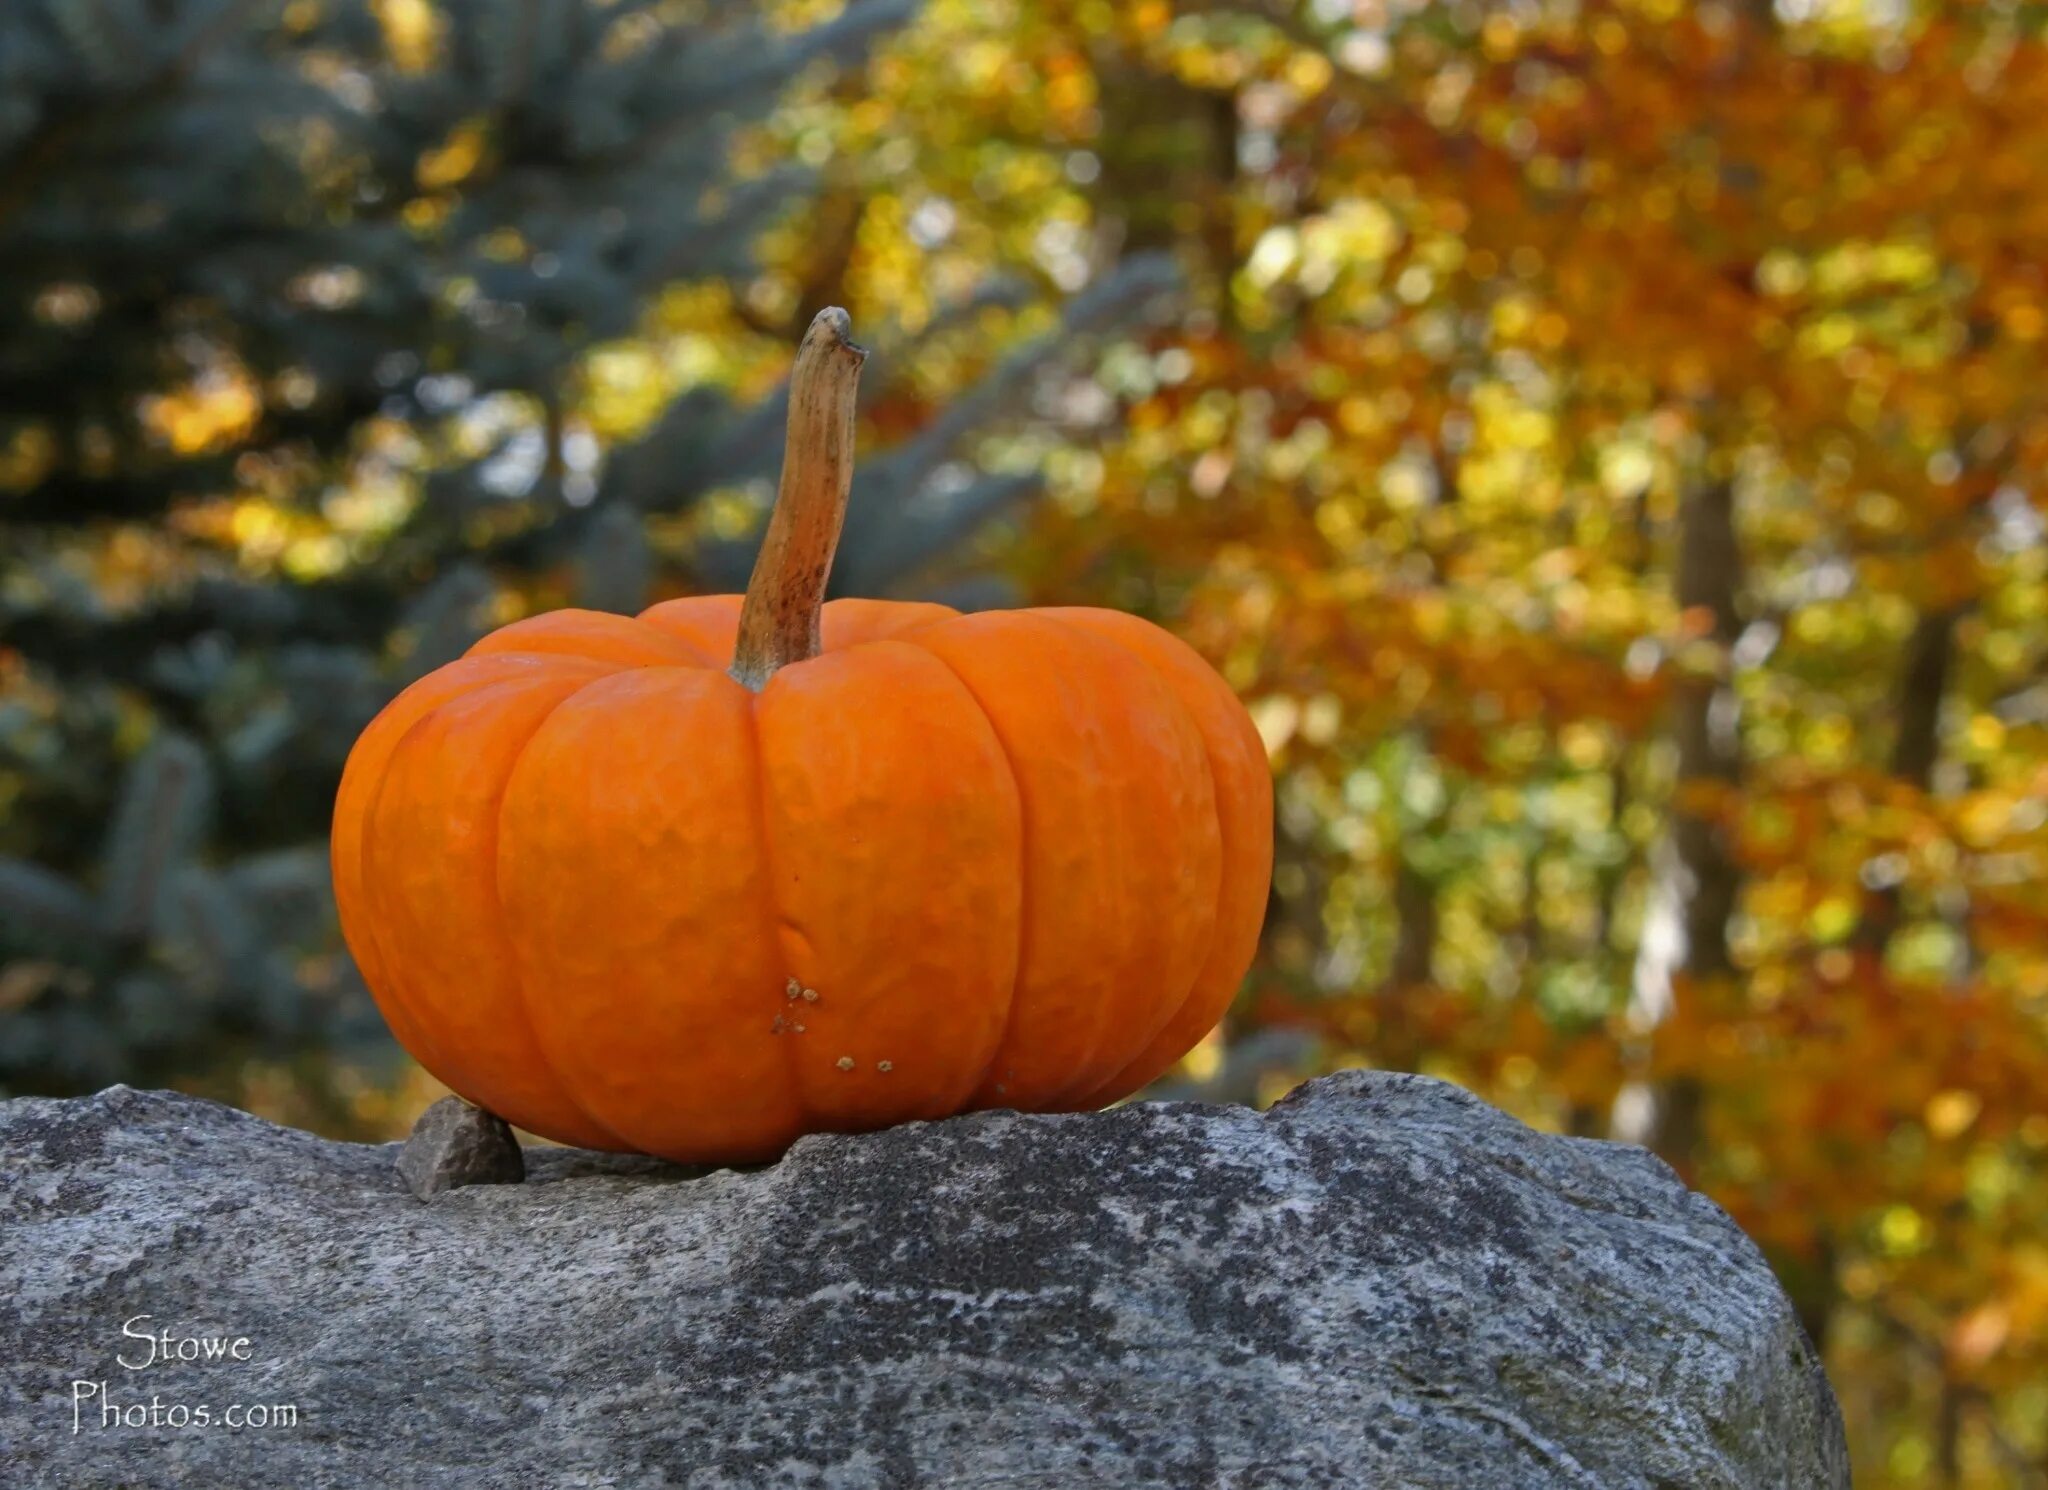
x=793, y=990
x=845, y=1063
x=810, y=995
x=885, y=1065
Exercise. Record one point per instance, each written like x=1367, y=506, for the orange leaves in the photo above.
x=1419, y=654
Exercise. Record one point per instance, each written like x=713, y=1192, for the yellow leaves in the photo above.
x=1830, y=742
x=801, y=15
x=1280, y=719
x=315, y=557
x=504, y=245
x=1272, y=1085
x=1518, y=1072
x=1510, y=468
x=1321, y=719
x=1514, y=316
x=1585, y=744
x=1901, y=1231
x=424, y=214
x=1205, y=1060
x=2024, y=321
x=27, y=456
x=259, y=529
x=1860, y=266
x=1208, y=420
x=1212, y=67
x=1779, y=900
x=1504, y=419
x=1949, y=1114
x=1550, y=330
x=1983, y=818
x=367, y=509
x=1355, y=236
x=1627, y=467
x=1338, y=519
x=412, y=33
x=624, y=388
x=1359, y=415
x=1150, y=18
x=1827, y=337
x=1070, y=97
x=1782, y=273
x=1405, y=484
x=1431, y=616
x=217, y=408
x=1273, y=257
x=1308, y=73
x=1833, y=919
x=1985, y=734
x=268, y=536
x=981, y=63
x=450, y=163
x=1500, y=37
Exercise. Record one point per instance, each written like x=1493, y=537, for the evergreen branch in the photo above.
x=38, y=901
x=45, y=150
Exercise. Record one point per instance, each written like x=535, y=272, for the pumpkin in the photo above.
x=745, y=867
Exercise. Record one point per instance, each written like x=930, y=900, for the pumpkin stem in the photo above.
x=779, y=620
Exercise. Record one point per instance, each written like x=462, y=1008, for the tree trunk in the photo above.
x=1701, y=880
x=1923, y=682
x=1709, y=746
x=1415, y=928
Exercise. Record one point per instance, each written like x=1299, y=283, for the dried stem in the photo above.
x=779, y=621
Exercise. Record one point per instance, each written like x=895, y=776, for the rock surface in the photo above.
x=1383, y=1282
x=455, y=1144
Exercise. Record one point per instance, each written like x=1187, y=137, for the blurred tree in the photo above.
x=333, y=334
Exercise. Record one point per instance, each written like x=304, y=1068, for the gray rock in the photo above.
x=456, y=1144
x=1383, y=1282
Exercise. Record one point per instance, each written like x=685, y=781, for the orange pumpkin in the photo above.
x=743, y=868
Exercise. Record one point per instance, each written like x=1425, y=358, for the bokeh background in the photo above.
x=1601, y=440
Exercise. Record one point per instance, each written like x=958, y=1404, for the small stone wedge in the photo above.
x=456, y=1144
